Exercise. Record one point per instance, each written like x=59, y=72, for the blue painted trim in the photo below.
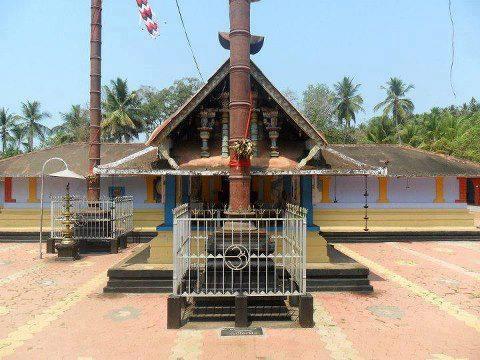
x=169, y=200
x=306, y=197
x=315, y=228
x=164, y=228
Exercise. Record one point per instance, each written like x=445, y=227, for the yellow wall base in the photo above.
x=344, y=219
x=29, y=219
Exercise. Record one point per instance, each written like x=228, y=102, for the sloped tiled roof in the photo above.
x=139, y=159
x=408, y=161
x=164, y=129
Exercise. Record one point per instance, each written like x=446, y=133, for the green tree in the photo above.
x=122, y=121
x=347, y=101
x=396, y=103
x=18, y=138
x=379, y=130
x=31, y=117
x=75, y=126
x=158, y=105
x=7, y=122
x=318, y=107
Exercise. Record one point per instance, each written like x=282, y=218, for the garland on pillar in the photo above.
x=148, y=17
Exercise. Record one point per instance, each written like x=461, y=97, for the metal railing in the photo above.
x=215, y=255
x=93, y=220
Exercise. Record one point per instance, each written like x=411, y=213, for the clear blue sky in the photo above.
x=44, y=47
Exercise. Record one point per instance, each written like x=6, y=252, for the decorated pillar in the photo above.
x=462, y=190
x=32, y=190
x=254, y=124
x=439, y=194
x=8, y=188
x=225, y=100
x=207, y=120
x=270, y=118
x=383, y=190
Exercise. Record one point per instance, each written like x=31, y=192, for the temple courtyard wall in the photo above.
x=337, y=203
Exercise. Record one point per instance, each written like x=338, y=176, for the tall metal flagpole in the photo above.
x=93, y=192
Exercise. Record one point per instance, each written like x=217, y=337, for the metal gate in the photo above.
x=93, y=220
x=262, y=255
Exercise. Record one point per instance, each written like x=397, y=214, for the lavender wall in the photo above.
x=134, y=186
x=416, y=193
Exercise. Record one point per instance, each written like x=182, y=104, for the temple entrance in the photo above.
x=266, y=191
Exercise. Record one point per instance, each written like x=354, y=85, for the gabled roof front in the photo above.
x=164, y=129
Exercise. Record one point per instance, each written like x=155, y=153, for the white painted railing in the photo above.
x=257, y=255
x=98, y=220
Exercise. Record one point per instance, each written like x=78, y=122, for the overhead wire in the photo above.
x=188, y=40
x=452, y=62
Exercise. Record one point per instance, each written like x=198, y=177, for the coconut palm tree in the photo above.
x=347, y=101
x=396, y=103
x=122, y=119
x=7, y=122
x=31, y=120
x=18, y=137
x=75, y=126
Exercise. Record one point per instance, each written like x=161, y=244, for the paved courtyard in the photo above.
x=426, y=305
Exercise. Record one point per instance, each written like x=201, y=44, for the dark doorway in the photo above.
x=470, y=192
x=224, y=192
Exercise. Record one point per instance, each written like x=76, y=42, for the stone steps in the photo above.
x=160, y=281
x=351, y=279
x=400, y=236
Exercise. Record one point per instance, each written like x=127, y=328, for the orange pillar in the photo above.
x=462, y=190
x=326, y=189
x=8, y=190
x=32, y=190
x=383, y=190
x=150, y=184
x=439, y=197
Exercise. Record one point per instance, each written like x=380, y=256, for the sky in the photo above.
x=44, y=47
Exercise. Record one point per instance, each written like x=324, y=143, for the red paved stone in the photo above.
x=392, y=323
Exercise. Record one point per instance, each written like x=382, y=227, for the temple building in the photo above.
x=186, y=160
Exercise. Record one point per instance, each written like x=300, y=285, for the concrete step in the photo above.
x=349, y=288
x=138, y=290
x=143, y=274
x=400, y=236
x=317, y=283
x=163, y=283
